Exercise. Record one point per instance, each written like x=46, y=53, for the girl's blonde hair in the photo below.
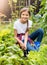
x=25, y=9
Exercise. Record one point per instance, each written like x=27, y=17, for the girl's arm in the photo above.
x=26, y=37
x=18, y=40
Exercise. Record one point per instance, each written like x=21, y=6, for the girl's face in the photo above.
x=24, y=16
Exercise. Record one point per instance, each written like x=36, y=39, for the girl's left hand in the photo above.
x=25, y=47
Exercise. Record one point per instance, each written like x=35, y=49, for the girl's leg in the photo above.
x=38, y=34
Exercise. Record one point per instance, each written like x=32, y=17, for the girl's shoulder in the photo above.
x=29, y=23
x=16, y=22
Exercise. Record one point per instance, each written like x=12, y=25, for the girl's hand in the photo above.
x=23, y=46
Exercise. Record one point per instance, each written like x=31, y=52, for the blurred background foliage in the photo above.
x=10, y=53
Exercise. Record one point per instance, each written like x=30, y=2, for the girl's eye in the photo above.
x=24, y=14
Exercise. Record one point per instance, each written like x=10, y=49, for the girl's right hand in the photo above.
x=23, y=46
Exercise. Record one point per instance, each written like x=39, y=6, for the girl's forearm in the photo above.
x=18, y=40
x=26, y=38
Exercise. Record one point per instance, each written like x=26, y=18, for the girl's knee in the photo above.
x=41, y=30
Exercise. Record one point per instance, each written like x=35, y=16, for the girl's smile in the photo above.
x=24, y=16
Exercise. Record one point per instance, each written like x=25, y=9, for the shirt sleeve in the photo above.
x=15, y=25
x=30, y=24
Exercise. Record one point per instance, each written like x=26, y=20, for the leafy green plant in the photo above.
x=11, y=54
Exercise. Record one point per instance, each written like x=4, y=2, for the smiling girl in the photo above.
x=21, y=32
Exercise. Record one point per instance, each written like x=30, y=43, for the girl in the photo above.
x=21, y=29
